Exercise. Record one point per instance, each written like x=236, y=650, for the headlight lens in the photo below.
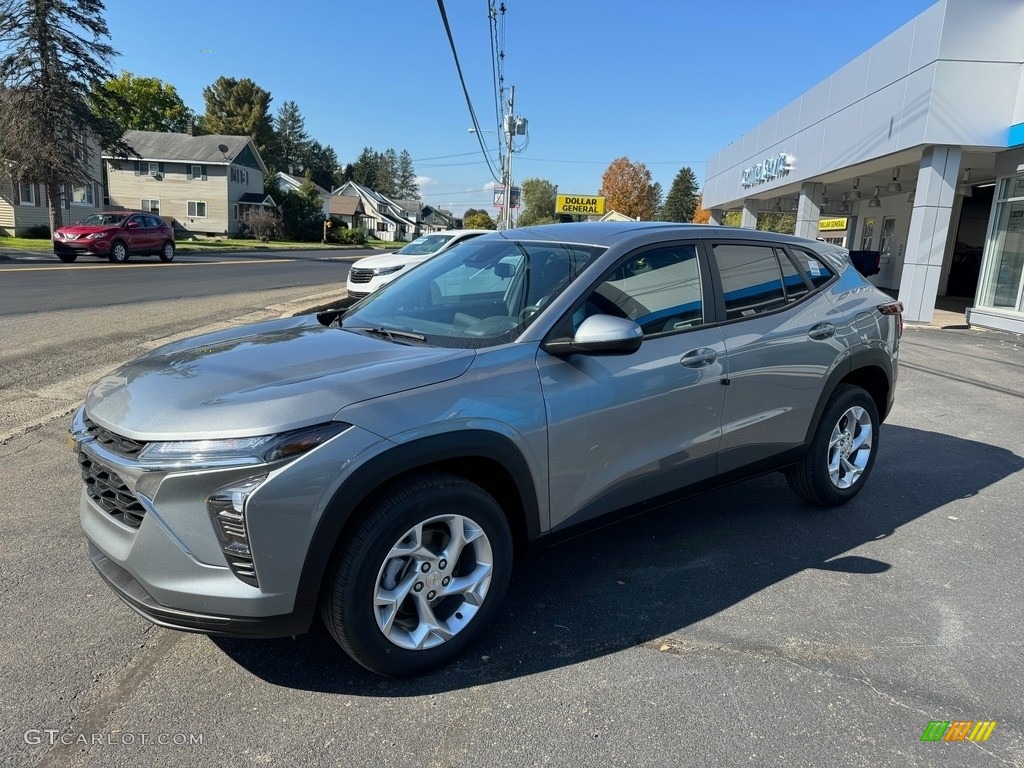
x=241, y=450
x=96, y=236
x=388, y=270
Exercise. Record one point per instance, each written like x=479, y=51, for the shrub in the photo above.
x=38, y=232
x=262, y=224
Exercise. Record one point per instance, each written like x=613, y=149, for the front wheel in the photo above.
x=843, y=450
x=422, y=573
x=167, y=252
x=67, y=258
x=118, y=253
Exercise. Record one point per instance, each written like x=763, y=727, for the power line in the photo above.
x=607, y=162
x=444, y=157
x=465, y=90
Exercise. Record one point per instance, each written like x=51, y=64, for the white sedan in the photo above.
x=374, y=272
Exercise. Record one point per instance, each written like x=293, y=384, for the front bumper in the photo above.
x=127, y=588
x=82, y=247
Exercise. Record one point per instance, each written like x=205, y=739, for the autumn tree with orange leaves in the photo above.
x=702, y=215
x=629, y=190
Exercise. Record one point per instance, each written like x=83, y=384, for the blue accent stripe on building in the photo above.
x=1016, y=135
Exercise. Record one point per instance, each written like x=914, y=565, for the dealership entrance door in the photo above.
x=965, y=265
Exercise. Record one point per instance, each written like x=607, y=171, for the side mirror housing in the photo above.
x=600, y=335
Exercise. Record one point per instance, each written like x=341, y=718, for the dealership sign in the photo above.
x=832, y=225
x=769, y=169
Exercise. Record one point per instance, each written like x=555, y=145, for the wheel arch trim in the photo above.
x=864, y=358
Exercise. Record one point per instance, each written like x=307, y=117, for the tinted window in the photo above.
x=751, y=279
x=814, y=266
x=657, y=289
x=796, y=288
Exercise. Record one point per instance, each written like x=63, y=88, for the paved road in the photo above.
x=740, y=628
x=33, y=284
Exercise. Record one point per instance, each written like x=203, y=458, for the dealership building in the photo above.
x=915, y=149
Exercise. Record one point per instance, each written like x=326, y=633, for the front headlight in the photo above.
x=387, y=270
x=96, y=236
x=239, y=451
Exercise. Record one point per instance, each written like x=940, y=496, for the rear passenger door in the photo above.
x=780, y=345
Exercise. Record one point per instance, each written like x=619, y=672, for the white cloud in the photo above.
x=425, y=181
x=490, y=185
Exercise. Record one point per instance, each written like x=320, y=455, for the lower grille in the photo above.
x=360, y=275
x=110, y=492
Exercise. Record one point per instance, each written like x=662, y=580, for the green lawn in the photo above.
x=25, y=244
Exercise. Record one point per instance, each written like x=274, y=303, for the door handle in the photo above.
x=822, y=331
x=698, y=358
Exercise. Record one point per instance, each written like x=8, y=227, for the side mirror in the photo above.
x=132, y=225
x=600, y=335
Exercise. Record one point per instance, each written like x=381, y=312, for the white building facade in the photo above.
x=915, y=150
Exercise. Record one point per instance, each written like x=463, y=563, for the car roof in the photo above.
x=609, y=232
x=458, y=232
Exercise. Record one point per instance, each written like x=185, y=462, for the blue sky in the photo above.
x=664, y=83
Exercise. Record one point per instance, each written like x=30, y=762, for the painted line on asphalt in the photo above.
x=66, y=267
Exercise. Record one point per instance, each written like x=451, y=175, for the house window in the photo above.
x=153, y=206
x=197, y=209
x=234, y=175
x=234, y=215
x=82, y=195
x=27, y=193
x=197, y=172
x=382, y=226
x=243, y=175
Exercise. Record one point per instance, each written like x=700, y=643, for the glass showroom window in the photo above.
x=1004, y=250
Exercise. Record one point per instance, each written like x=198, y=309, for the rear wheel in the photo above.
x=167, y=252
x=843, y=450
x=67, y=258
x=118, y=252
x=423, y=572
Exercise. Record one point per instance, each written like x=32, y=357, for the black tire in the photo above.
x=67, y=258
x=812, y=478
x=366, y=560
x=118, y=252
x=167, y=251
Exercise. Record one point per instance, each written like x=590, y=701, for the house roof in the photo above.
x=386, y=207
x=182, y=148
x=298, y=181
x=257, y=198
x=345, y=206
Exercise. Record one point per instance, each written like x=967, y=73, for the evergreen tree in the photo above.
x=364, y=169
x=320, y=162
x=683, y=198
x=54, y=52
x=408, y=189
x=291, y=137
x=239, y=108
x=387, y=173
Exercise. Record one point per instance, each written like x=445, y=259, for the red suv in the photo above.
x=115, y=235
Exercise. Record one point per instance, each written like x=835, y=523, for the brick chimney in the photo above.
x=190, y=127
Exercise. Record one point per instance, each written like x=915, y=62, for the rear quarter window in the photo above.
x=814, y=266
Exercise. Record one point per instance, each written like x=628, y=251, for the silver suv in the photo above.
x=381, y=466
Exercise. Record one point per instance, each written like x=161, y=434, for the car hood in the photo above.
x=389, y=260
x=260, y=379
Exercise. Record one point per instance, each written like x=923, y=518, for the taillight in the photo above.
x=894, y=308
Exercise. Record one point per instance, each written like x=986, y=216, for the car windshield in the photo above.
x=485, y=292
x=424, y=245
x=102, y=220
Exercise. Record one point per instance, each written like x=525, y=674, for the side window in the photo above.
x=814, y=266
x=751, y=279
x=657, y=289
x=796, y=288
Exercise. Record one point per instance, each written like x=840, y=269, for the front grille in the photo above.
x=360, y=275
x=110, y=492
x=122, y=446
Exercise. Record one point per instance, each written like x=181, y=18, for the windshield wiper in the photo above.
x=391, y=334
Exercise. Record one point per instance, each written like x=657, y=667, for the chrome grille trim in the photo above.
x=356, y=275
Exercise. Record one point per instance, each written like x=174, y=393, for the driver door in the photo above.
x=625, y=428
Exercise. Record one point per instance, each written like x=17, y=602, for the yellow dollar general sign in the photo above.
x=958, y=730
x=831, y=224
x=579, y=204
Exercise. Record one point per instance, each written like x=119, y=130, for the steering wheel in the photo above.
x=528, y=312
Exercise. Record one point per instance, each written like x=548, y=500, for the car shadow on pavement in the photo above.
x=640, y=579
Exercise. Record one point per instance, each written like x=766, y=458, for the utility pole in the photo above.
x=514, y=126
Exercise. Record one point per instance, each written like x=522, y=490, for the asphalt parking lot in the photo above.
x=737, y=628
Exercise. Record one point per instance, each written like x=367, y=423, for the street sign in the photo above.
x=499, y=197
x=580, y=204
